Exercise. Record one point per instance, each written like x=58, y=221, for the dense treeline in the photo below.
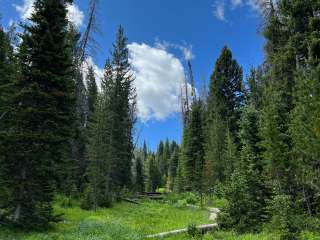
x=262, y=135
x=254, y=142
x=59, y=133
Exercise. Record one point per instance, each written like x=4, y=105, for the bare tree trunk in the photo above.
x=306, y=200
x=17, y=212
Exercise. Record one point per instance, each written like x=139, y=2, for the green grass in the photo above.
x=124, y=221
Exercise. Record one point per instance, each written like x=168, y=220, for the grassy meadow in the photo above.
x=126, y=221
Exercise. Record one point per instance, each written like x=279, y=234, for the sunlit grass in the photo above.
x=123, y=221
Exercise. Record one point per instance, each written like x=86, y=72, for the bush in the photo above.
x=191, y=198
x=186, y=198
x=180, y=203
x=245, y=209
x=306, y=235
x=280, y=208
x=193, y=231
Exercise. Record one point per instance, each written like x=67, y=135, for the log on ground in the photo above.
x=203, y=228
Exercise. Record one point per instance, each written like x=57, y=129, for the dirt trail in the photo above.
x=214, y=212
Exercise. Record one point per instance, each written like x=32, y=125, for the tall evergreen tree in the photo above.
x=305, y=133
x=173, y=168
x=122, y=111
x=41, y=118
x=226, y=90
x=118, y=118
x=160, y=159
x=139, y=175
x=225, y=101
x=98, y=192
x=7, y=72
x=92, y=90
x=153, y=174
x=193, y=148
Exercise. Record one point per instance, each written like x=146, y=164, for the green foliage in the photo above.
x=225, y=101
x=123, y=221
x=110, y=147
x=42, y=111
x=282, y=214
x=153, y=176
x=92, y=90
x=243, y=212
x=306, y=139
x=193, y=232
x=192, y=153
x=226, y=90
x=139, y=175
x=173, y=168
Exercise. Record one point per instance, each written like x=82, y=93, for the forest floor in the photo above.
x=125, y=221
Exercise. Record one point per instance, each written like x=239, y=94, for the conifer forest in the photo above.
x=72, y=166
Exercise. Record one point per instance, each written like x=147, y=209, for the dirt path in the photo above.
x=214, y=212
x=213, y=215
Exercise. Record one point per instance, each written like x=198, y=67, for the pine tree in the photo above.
x=145, y=151
x=122, y=111
x=193, y=148
x=98, y=192
x=92, y=90
x=166, y=159
x=225, y=101
x=153, y=174
x=7, y=72
x=179, y=181
x=215, y=150
x=160, y=159
x=41, y=118
x=246, y=192
x=305, y=133
x=139, y=175
x=226, y=91
x=230, y=155
x=115, y=146
x=173, y=168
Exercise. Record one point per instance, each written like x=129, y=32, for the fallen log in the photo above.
x=130, y=200
x=202, y=228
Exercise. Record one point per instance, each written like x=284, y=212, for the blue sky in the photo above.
x=162, y=33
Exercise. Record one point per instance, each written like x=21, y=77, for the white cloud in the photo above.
x=75, y=15
x=219, y=10
x=159, y=76
x=256, y=5
x=89, y=62
x=185, y=49
x=236, y=3
x=221, y=6
x=25, y=10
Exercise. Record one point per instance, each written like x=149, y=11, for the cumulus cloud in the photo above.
x=75, y=15
x=185, y=49
x=159, y=77
x=25, y=10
